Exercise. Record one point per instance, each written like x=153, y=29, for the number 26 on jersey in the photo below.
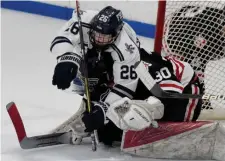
x=128, y=72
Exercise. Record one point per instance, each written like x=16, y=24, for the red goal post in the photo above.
x=194, y=31
x=159, y=26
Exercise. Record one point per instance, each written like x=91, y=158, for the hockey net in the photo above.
x=194, y=31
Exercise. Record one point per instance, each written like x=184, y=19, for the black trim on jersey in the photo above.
x=122, y=91
x=125, y=89
x=59, y=39
x=134, y=42
x=87, y=25
x=120, y=55
x=119, y=93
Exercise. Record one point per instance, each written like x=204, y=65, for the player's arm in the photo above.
x=68, y=61
x=66, y=46
x=178, y=77
x=174, y=75
x=66, y=38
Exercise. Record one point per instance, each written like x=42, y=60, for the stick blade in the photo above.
x=46, y=140
x=35, y=141
x=17, y=121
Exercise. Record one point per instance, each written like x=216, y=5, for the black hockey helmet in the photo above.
x=106, y=26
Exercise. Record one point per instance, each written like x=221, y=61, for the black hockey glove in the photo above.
x=97, y=118
x=66, y=70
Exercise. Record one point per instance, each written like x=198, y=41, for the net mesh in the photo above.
x=195, y=32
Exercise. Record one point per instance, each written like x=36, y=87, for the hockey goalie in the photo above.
x=123, y=109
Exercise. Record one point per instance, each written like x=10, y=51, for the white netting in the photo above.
x=195, y=32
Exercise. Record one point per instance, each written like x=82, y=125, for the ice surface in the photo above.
x=27, y=68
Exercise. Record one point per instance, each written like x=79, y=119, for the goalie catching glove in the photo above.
x=66, y=70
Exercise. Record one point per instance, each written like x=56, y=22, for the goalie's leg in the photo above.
x=126, y=114
x=107, y=134
x=74, y=124
x=135, y=115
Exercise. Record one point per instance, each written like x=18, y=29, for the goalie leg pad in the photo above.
x=74, y=124
x=135, y=115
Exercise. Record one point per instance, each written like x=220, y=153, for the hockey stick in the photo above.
x=157, y=91
x=34, y=141
x=94, y=136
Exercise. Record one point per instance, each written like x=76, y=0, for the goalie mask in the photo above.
x=106, y=26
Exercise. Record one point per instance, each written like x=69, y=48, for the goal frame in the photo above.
x=160, y=21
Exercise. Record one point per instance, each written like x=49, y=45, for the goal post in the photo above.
x=194, y=32
x=159, y=26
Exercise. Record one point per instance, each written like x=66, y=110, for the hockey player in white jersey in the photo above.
x=113, y=49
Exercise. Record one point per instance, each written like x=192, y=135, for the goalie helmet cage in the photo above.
x=194, y=32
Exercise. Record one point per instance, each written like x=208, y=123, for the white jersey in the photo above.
x=124, y=52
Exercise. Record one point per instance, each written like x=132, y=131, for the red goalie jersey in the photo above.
x=173, y=76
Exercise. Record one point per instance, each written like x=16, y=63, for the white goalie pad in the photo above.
x=66, y=125
x=184, y=140
x=135, y=115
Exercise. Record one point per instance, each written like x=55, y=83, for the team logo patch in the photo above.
x=147, y=64
x=129, y=48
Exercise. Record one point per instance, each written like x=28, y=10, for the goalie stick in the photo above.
x=34, y=141
x=157, y=91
